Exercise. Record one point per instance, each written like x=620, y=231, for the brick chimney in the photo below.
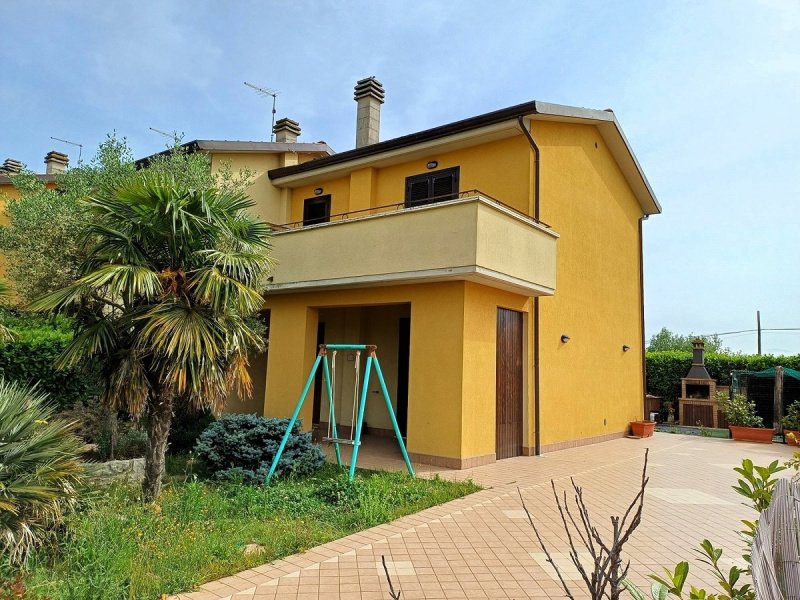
x=369, y=95
x=10, y=167
x=56, y=162
x=286, y=131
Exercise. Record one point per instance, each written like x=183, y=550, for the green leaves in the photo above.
x=757, y=483
x=673, y=582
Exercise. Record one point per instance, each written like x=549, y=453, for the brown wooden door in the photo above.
x=509, y=383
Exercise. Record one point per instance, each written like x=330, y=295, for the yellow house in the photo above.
x=496, y=262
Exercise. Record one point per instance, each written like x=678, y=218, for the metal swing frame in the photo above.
x=322, y=357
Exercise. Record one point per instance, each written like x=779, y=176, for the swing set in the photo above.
x=357, y=416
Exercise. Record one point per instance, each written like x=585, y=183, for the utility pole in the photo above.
x=758, y=325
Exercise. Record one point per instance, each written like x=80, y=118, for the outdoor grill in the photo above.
x=697, y=405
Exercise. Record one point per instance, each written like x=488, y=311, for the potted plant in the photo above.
x=791, y=424
x=643, y=429
x=744, y=423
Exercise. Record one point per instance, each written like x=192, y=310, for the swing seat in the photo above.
x=348, y=441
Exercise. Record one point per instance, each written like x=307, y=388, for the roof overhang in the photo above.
x=241, y=147
x=470, y=132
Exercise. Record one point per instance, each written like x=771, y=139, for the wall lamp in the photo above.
x=564, y=339
x=432, y=164
x=625, y=348
x=317, y=191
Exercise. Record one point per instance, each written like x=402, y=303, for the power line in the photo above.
x=751, y=331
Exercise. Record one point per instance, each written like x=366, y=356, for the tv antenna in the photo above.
x=267, y=92
x=80, y=146
x=173, y=136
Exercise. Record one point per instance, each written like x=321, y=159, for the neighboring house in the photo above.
x=55, y=164
x=497, y=264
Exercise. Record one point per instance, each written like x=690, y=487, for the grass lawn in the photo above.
x=119, y=548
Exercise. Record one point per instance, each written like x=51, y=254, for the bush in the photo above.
x=739, y=411
x=791, y=420
x=39, y=469
x=242, y=447
x=30, y=358
x=187, y=425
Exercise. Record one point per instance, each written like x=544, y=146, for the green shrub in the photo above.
x=791, y=420
x=739, y=411
x=30, y=358
x=39, y=469
x=187, y=425
x=242, y=447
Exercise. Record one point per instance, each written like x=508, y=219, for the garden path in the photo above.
x=482, y=546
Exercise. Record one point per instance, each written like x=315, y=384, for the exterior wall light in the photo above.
x=564, y=339
x=432, y=164
x=625, y=348
x=317, y=191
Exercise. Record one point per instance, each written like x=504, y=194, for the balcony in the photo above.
x=473, y=238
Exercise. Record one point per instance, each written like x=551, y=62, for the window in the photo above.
x=317, y=210
x=429, y=188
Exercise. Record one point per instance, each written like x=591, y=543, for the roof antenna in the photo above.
x=267, y=92
x=173, y=136
x=80, y=146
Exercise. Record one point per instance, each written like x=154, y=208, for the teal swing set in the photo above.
x=357, y=416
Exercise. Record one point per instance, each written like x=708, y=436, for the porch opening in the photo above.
x=389, y=328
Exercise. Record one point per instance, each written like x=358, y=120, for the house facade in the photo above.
x=496, y=263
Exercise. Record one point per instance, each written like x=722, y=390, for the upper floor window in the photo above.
x=428, y=188
x=317, y=210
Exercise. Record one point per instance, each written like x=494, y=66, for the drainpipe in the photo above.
x=537, y=449
x=536, y=156
x=642, y=219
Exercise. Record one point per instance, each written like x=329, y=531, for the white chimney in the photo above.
x=56, y=162
x=286, y=131
x=369, y=95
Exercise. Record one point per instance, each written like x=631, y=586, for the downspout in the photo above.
x=641, y=304
x=537, y=448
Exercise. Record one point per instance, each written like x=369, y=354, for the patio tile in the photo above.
x=482, y=546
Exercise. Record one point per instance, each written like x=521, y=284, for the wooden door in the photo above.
x=509, y=383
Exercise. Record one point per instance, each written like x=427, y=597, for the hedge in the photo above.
x=665, y=369
x=31, y=356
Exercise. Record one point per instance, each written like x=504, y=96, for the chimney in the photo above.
x=369, y=95
x=56, y=162
x=11, y=167
x=698, y=370
x=286, y=131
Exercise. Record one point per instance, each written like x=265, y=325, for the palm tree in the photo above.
x=165, y=300
x=39, y=470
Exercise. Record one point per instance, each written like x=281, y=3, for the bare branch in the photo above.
x=544, y=548
x=394, y=595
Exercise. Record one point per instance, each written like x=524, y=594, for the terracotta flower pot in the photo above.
x=793, y=439
x=761, y=435
x=643, y=429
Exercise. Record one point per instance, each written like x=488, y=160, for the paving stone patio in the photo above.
x=482, y=546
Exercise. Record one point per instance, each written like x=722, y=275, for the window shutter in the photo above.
x=444, y=187
x=417, y=191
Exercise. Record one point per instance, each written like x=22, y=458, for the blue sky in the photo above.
x=707, y=93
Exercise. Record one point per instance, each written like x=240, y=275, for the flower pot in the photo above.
x=643, y=429
x=761, y=435
x=792, y=440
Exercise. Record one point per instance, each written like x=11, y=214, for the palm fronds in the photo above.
x=38, y=470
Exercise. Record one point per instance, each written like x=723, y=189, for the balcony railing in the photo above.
x=400, y=207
